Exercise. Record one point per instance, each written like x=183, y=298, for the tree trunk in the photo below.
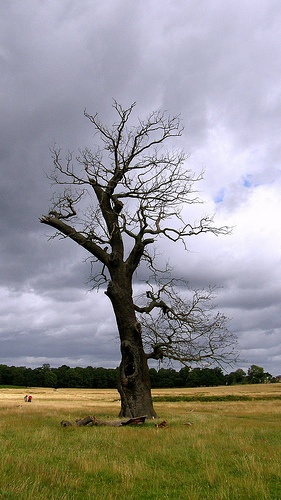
x=134, y=381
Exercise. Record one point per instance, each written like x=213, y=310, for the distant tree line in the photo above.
x=106, y=378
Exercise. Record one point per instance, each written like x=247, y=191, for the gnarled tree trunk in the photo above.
x=134, y=381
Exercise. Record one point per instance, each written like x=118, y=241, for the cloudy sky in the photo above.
x=218, y=64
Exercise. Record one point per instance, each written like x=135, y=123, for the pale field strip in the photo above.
x=60, y=398
x=92, y=400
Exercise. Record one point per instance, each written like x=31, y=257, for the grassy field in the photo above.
x=220, y=443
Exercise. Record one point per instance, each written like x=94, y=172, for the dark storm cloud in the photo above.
x=217, y=63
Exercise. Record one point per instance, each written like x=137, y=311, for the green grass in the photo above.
x=230, y=451
x=12, y=387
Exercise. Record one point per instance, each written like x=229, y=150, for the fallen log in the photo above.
x=109, y=423
x=94, y=421
x=120, y=423
x=135, y=421
x=85, y=421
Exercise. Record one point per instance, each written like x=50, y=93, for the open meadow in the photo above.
x=219, y=443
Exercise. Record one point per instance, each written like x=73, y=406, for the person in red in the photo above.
x=29, y=399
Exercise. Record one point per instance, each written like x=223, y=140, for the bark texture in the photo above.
x=134, y=381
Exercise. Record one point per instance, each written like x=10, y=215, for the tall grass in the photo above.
x=209, y=450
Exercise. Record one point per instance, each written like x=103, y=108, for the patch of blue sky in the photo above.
x=248, y=181
x=219, y=197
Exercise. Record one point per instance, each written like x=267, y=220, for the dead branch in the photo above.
x=85, y=421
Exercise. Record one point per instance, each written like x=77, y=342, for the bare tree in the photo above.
x=116, y=202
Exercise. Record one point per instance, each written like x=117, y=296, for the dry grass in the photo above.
x=66, y=397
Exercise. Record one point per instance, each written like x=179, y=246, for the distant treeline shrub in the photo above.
x=106, y=378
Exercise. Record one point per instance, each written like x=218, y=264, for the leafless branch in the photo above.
x=186, y=329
